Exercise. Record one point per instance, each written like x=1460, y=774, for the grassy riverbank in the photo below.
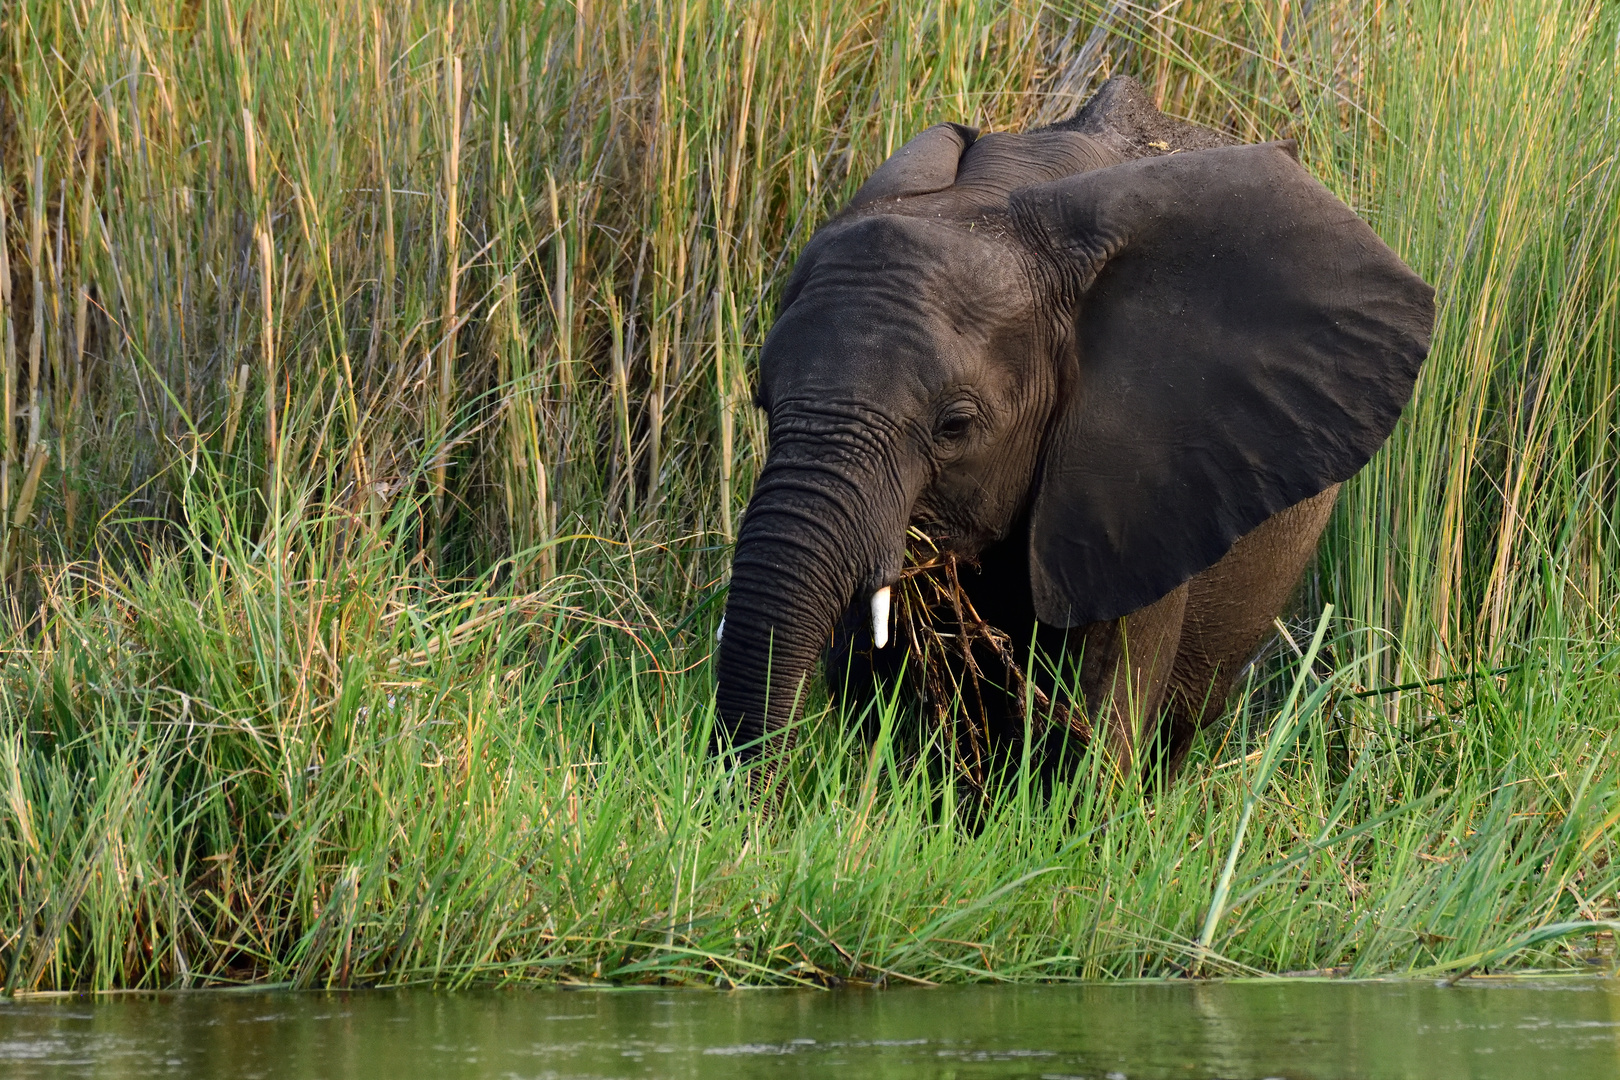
x=377, y=421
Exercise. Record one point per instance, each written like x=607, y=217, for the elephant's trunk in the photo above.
x=814, y=539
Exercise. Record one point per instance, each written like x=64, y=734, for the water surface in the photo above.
x=1554, y=1028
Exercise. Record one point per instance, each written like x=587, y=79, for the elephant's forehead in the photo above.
x=886, y=296
x=932, y=258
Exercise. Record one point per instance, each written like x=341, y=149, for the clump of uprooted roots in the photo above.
x=966, y=674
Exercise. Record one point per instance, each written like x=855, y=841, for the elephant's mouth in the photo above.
x=957, y=531
x=966, y=673
x=930, y=544
x=927, y=542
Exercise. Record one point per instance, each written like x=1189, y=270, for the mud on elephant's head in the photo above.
x=1117, y=345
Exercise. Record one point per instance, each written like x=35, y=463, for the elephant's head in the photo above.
x=1143, y=354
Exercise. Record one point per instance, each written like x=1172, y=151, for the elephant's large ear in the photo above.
x=1243, y=342
x=924, y=165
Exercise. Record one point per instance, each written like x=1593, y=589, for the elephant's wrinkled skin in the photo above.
x=1122, y=364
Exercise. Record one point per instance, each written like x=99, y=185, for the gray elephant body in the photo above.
x=1119, y=364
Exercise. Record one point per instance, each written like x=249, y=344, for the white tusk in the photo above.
x=880, y=617
x=720, y=631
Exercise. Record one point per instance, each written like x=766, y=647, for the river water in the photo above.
x=1477, y=1030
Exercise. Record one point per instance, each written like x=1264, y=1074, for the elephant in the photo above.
x=1120, y=365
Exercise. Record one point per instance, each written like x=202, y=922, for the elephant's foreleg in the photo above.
x=1230, y=612
x=1126, y=668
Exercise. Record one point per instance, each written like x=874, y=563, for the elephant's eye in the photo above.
x=953, y=425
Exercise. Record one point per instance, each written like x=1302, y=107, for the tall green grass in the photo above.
x=376, y=419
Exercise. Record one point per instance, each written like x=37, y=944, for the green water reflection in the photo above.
x=1563, y=1028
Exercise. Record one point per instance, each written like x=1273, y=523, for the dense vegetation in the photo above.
x=376, y=419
